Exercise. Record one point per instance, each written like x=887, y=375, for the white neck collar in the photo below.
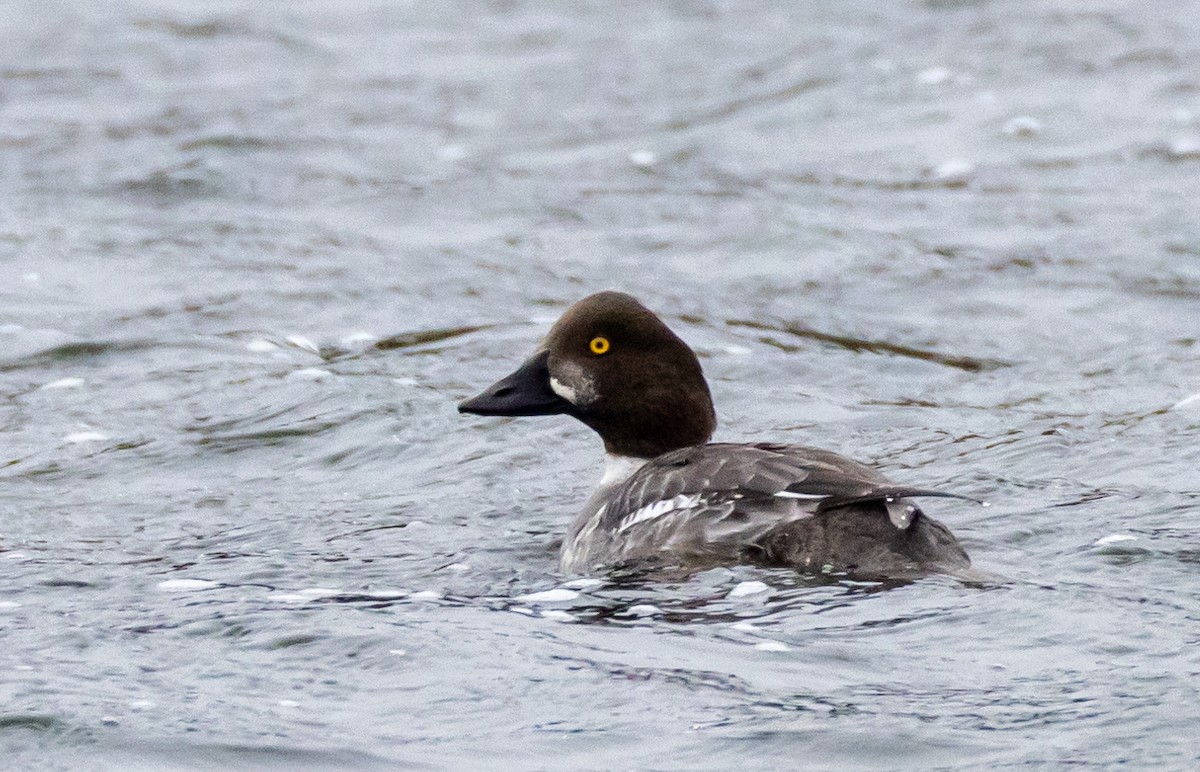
x=618, y=468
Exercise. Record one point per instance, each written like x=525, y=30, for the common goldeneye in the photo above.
x=670, y=497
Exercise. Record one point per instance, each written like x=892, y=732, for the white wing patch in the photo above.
x=805, y=496
x=659, y=508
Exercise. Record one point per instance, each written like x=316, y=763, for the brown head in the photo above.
x=611, y=363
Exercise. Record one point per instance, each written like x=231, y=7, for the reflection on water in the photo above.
x=253, y=257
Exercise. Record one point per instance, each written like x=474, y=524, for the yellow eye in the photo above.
x=599, y=345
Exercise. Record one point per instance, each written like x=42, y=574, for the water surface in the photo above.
x=253, y=256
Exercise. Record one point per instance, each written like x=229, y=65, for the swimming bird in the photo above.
x=670, y=497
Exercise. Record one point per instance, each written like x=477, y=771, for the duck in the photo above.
x=670, y=497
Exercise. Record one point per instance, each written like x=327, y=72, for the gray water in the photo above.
x=253, y=254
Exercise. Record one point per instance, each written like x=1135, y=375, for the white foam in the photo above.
x=586, y=583
x=954, y=171
x=644, y=610
x=744, y=627
x=426, y=595
x=299, y=341
x=934, y=76
x=186, y=585
x=261, y=346
x=772, y=646
x=1192, y=401
x=64, y=383
x=320, y=592
x=359, y=338
x=558, y=595
x=748, y=588
x=9, y=605
x=643, y=158
x=398, y=652
x=288, y=704
x=311, y=374
x=306, y=595
x=1022, y=126
x=139, y=705
x=1185, y=147
x=10, y=329
x=558, y=616
x=78, y=437
x=388, y=594
x=452, y=153
x=1114, y=538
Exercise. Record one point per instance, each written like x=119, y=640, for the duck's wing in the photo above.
x=796, y=480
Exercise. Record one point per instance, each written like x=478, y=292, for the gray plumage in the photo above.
x=770, y=504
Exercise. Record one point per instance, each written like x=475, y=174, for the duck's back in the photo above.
x=769, y=504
